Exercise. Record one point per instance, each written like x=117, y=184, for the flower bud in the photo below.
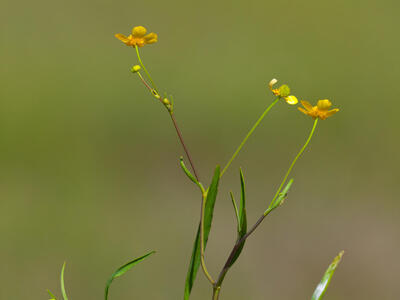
x=135, y=69
x=284, y=90
x=155, y=94
x=272, y=82
x=166, y=101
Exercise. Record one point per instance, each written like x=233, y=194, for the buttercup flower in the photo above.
x=138, y=37
x=321, y=110
x=283, y=91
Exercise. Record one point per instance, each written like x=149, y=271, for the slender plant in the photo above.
x=322, y=110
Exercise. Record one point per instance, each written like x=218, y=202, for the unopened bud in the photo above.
x=284, y=90
x=272, y=82
x=135, y=69
x=155, y=94
x=166, y=101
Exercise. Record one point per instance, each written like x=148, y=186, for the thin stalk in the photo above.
x=203, y=264
x=216, y=293
x=144, y=68
x=294, y=161
x=178, y=131
x=236, y=247
x=248, y=135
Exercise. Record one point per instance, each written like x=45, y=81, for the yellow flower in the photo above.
x=138, y=37
x=283, y=92
x=321, y=110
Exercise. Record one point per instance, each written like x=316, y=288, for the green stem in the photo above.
x=203, y=264
x=248, y=135
x=294, y=161
x=216, y=293
x=178, y=131
x=217, y=285
x=145, y=70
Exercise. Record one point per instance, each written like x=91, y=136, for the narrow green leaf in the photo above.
x=189, y=175
x=323, y=285
x=122, y=270
x=208, y=215
x=51, y=295
x=236, y=211
x=242, y=229
x=64, y=294
x=242, y=210
x=187, y=172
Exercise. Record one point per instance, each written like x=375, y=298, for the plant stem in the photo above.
x=216, y=293
x=236, y=247
x=178, y=131
x=144, y=68
x=203, y=264
x=295, y=159
x=248, y=135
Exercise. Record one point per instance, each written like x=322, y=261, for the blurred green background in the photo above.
x=89, y=169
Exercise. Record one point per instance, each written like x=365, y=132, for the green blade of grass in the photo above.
x=64, y=294
x=323, y=285
x=122, y=270
x=51, y=295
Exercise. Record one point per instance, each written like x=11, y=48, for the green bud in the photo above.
x=284, y=90
x=135, y=69
x=166, y=101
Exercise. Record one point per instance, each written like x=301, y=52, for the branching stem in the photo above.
x=236, y=247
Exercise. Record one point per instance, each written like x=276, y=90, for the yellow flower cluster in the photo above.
x=321, y=110
x=283, y=92
x=138, y=37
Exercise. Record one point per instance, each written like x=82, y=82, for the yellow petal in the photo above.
x=306, y=104
x=292, y=100
x=331, y=112
x=139, y=31
x=303, y=110
x=324, y=104
x=151, y=38
x=122, y=38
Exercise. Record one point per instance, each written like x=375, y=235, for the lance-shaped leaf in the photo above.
x=323, y=285
x=189, y=175
x=52, y=297
x=186, y=170
x=64, y=294
x=122, y=270
x=208, y=215
x=242, y=217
